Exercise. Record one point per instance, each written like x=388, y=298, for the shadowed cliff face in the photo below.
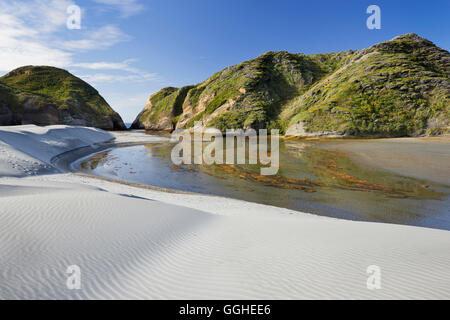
x=46, y=96
x=396, y=88
x=161, y=109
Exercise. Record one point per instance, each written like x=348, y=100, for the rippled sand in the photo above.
x=135, y=243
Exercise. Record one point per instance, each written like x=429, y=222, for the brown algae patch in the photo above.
x=332, y=169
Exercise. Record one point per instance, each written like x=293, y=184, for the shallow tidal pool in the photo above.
x=319, y=177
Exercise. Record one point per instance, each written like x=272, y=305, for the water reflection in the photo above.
x=311, y=179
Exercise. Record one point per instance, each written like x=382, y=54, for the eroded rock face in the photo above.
x=162, y=110
x=6, y=115
x=151, y=118
x=399, y=87
x=48, y=96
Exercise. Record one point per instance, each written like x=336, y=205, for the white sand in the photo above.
x=138, y=243
x=27, y=150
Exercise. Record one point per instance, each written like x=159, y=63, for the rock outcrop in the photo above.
x=396, y=88
x=44, y=95
x=162, y=110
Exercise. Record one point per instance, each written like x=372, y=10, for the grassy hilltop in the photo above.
x=396, y=88
x=46, y=95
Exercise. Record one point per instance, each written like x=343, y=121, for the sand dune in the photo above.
x=134, y=243
x=131, y=248
x=27, y=150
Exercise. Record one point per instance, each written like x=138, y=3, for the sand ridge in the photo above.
x=134, y=243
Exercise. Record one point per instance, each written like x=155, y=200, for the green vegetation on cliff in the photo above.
x=46, y=95
x=162, y=110
x=395, y=88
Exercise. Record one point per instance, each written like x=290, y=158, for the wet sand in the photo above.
x=317, y=176
x=420, y=158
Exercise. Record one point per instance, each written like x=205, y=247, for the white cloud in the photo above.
x=15, y=53
x=134, y=74
x=102, y=38
x=34, y=32
x=124, y=66
x=23, y=36
x=106, y=77
x=126, y=7
x=47, y=16
x=103, y=65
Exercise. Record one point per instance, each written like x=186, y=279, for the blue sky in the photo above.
x=129, y=49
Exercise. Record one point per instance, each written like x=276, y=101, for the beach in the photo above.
x=421, y=158
x=142, y=243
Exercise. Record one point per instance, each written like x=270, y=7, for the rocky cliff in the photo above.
x=162, y=109
x=396, y=88
x=46, y=95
